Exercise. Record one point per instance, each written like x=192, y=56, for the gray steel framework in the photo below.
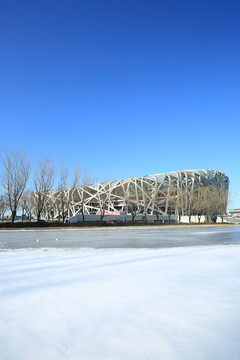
x=157, y=194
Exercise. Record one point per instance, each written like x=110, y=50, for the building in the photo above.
x=162, y=196
x=235, y=213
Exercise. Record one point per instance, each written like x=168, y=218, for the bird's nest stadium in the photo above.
x=160, y=195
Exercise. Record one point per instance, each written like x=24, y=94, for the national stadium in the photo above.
x=158, y=197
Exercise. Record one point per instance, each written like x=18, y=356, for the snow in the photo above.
x=175, y=303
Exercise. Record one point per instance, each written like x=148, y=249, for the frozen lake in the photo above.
x=110, y=238
x=146, y=293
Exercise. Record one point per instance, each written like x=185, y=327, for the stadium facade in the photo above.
x=175, y=193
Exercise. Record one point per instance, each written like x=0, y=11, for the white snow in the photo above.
x=179, y=303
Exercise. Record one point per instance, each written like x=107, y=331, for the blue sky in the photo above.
x=123, y=88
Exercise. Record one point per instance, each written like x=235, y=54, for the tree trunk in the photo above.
x=83, y=217
x=179, y=215
x=14, y=212
x=133, y=216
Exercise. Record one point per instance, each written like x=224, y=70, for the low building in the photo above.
x=235, y=213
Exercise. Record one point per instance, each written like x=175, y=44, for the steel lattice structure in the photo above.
x=159, y=194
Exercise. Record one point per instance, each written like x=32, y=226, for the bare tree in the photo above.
x=26, y=204
x=3, y=205
x=65, y=192
x=147, y=198
x=103, y=199
x=131, y=207
x=63, y=200
x=189, y=198
x=180, y=202
x=210, y=201
x=76, y=177
x=43, y=181
x=16, y=170
x=86, y=180
x=219, y=200
x=69, y=199
x=155, y=199
x=198, y=203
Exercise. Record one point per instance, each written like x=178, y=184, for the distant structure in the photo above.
x=179, y=193
x=235, y=213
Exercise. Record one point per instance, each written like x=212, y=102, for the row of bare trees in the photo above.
x=210, y=201
x=14, y=177
x=16, y=191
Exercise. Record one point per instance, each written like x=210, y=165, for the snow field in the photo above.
x=179, y=303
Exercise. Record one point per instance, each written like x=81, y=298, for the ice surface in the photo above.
x=172, y=303
x=144, y=237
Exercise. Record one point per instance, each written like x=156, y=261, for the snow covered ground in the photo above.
x=172, y=303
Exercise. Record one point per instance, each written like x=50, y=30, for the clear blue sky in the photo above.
x=123, y=88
